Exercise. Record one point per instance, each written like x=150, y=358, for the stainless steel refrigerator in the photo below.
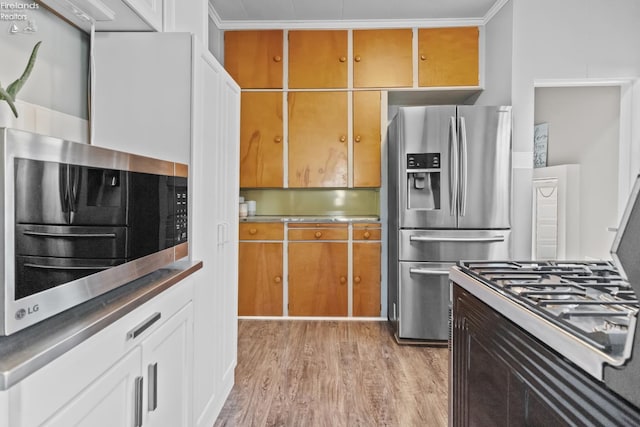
x=449, y=200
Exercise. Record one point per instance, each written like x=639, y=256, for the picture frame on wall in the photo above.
x=540, y=145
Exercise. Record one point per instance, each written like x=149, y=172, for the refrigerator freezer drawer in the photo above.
x=454, y=245
x=424, y=301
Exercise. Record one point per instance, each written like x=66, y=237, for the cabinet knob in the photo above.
x=277, y=279
x=277, y=58
x=357, y=279
x=277, y=139
x=423, y=57
x=343, y=138
x=357, y=58
x=357, y=138
x=367, y=234
x=343, y=280
x=343, y=58
x=253, y=231
x=318, y=234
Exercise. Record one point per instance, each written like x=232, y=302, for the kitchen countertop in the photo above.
x=311, y=218
x=28, y=350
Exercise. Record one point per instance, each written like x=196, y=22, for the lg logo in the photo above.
x=20, y=314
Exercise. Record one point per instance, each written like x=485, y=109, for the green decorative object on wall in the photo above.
x=10, y=93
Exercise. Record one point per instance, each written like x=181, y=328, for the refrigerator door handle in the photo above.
x=463, y=167
x=490, y=239
x=453, y=165
x=429, y=271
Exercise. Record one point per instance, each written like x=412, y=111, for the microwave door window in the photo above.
x=41, y=192
x=98, y=196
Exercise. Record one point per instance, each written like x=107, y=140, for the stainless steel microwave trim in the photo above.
x=17, y=315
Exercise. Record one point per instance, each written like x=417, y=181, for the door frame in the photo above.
x=628, y=145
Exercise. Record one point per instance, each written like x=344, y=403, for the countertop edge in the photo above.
x=27, y=351
x=310, y=219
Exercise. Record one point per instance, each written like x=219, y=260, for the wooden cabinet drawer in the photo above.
x=367, y=234
x=321, y=233
x=261, y=231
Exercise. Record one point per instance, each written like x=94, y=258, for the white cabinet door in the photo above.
x=109, y=401
x=167, y=369
x=214, y=221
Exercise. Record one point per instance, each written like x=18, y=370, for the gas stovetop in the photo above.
x=588, y=300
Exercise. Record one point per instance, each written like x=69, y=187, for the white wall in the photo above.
x=584, y=129
x=571, y=40
x=216, y=41
x=59, y=79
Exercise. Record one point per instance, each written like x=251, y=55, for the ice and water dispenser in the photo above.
x=423, y=181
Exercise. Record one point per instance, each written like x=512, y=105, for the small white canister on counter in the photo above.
x=243, y=208
x=251, y=207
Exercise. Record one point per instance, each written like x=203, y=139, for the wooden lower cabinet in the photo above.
x=318, y=278
x=366, y=279
x=260, y=279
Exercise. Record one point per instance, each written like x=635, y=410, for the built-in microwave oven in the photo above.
x=81, y=220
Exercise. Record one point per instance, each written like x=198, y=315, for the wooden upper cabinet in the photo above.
x=261, y=139
x=366, y=139
x=382, y=58
x=448, y=56
x=318, y=132
x=318, y=59
x=254, y=58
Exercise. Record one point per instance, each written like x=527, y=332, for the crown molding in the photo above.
x=355, y=24
x=494, y=10
x=213, y=15
x=342, y=24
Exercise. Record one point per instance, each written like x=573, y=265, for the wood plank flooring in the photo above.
x=324, y=373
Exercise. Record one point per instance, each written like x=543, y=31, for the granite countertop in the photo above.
x=28, y=350
x=311, y=218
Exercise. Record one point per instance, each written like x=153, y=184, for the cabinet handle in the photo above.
x=357, y=138
x=343, y=58
x=318, y=234
x=343, y=138
x=277, y=139
x=143, y=326
x=357, y=279
x=367, y=234
x=357, y=58
x=343, y=280
x=153, y=386
x=277, y=279
x=252, y=231
x=277, y=58
x=423, y=57
x=137, y=406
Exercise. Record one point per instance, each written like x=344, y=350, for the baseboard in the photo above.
x=322, y=318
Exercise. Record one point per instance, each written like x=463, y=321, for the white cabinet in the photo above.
x=150, y=11
x=175, y=101
x=215, y=166
x=109, y=379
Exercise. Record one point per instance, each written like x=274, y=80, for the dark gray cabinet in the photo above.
x=502, y=376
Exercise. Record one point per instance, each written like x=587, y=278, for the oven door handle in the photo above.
x=497, y=238
x=70, y=235
x=429, y=271
x=68, y=267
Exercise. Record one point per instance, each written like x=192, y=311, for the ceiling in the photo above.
x=266, y=13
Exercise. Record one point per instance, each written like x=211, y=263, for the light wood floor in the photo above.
x=323, y=373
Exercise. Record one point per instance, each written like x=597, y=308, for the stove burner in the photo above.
x=589, y=299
